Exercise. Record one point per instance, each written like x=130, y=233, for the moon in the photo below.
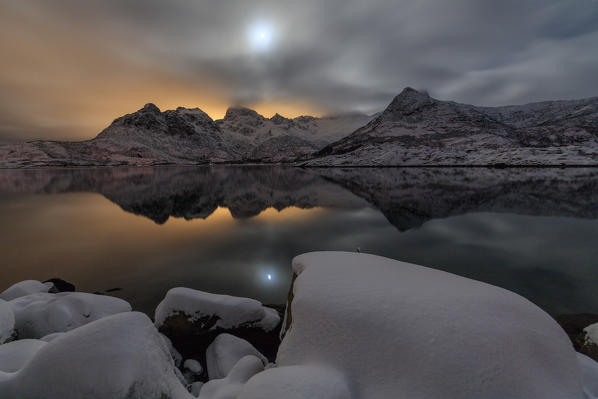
x=261, y=37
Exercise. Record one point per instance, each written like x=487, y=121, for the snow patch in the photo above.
x=230, y=386
x=41, y=314
x=14, y=355
x=225, y=352
x=591, y=332
x=589, y=375
x=26, y=287
x=297, y=382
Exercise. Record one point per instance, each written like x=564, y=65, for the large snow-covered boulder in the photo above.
x=14, y=355
x=230, y=386
x=192, y=319
x=7, y=322
x=26, y=287
x=394, y=329
x=225, y=352
x=215, y=311
x=118, y=357
x=297, y=382
x=38, y=315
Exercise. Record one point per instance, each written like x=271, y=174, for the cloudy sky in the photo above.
x=69, y=67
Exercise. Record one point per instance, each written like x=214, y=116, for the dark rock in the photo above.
x=573, y=324
x=192, y=338
x=61, y=285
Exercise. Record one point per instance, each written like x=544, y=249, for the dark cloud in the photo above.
x=333, y=55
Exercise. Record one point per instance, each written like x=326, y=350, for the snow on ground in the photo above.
x=591, y=334
x=297, y=382
x=589, y=375
x=40, y=314
x=397, y=329
x=226, y=311
x=225, y=351
x=230, y=386
x=14, y=355
x=23, y=288
x=7, y=322
x=118, y=357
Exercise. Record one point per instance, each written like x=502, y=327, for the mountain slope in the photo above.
x=416, y=129
x=188, y=136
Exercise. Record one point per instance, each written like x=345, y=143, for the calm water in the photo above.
x=234, y=230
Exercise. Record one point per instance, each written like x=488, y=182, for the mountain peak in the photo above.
x=233, y=113
x=408, y=101
x=150, y=107
x=278, y=119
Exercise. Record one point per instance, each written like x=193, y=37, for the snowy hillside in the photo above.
x=416, y=129
x=188, y=136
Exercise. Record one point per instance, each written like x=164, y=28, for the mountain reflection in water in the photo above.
x=235, y=229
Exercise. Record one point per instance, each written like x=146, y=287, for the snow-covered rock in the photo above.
x=216, y=311
x=24, y=288
x=118, y=357
x=193, y=319
x=298, y=382
x=589, y=344
x=589, y=375
x=230, y=386
x=394, y=329
x=14, y=355
x=41, y=314
x=225, y=352
x=591, y=332
x=7, y=322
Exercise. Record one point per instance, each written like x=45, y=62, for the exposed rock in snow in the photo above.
x=61, y=285
x=396, y=329
x=7, y=322
x=214, y=311
x=416, y=129
x=14, y=355
x=225, y=352
x=25, y=288
x=117, y=357
x=192, y=319
x=230, y=386
x=38, y=315
x=589, y=375
x=298, y=382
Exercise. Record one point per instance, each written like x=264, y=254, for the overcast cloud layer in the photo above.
x=69, y=67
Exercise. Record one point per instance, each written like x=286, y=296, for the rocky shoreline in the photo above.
x=217, y=346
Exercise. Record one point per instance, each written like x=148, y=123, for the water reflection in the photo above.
x=235, y=229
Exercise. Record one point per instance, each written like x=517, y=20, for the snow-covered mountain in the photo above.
x=416, y=129
x=188, y=136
